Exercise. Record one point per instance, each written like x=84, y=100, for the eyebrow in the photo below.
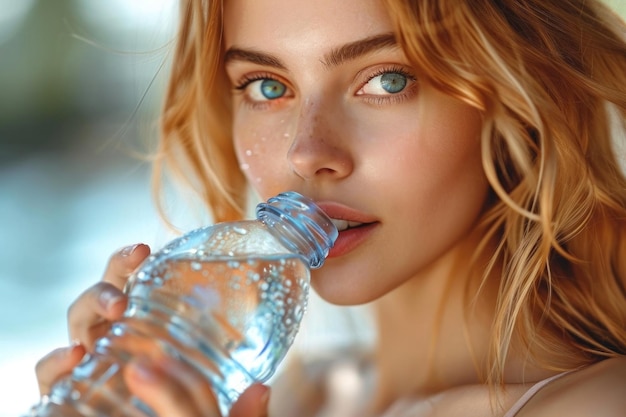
x=334, y=58
x=358, y=49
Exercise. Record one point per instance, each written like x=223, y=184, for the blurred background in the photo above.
x=80, y=88
x=80, y=82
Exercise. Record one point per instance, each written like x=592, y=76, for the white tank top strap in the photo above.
x=530, y=393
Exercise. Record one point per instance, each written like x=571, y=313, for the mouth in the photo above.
x=355, y=227
x=346, y=218
x=352, y=234
x=342, y=225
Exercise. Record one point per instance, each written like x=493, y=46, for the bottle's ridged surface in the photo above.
x=226, y=299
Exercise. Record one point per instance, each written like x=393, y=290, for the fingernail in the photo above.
x=73, y=347
x=107, y=298
x=68, y=350
x=128, y=250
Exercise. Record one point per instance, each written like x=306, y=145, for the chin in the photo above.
x=344, y=293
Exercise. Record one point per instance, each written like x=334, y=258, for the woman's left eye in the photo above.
x=386, y=83
x=265, y=89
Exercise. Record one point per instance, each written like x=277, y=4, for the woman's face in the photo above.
x=326, y=104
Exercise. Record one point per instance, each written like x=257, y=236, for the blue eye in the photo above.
x=386, y=83
x=266, y=89
x=261, y=89
x=272, y=89
x=392, y=82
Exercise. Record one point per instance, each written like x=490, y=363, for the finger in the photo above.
x=171, y=388
x=252, y=403
x=91, y=314
x=123, y=263
x=57, y=364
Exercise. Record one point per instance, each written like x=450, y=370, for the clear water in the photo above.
x=233, y=319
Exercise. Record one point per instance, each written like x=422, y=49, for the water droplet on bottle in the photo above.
x=298, y=312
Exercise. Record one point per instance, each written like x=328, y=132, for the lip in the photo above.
x=348, y=239
x=341, y=212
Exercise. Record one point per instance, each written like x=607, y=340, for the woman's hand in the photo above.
x=169, y=387
x=173, y=389
x=91, y=315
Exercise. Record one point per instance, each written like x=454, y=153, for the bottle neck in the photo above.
x=300, y=226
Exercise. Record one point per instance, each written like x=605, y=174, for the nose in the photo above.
x=318, y=150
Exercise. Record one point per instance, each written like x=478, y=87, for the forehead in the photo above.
x=295, y=25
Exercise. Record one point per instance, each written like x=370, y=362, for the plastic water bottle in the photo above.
x=227, y=299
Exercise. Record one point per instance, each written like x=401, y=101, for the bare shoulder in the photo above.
x=598, y=390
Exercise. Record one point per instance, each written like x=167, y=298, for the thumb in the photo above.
x=252, y=403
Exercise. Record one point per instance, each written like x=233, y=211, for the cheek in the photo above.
x=448, y=133
x=433, y=163
x=259, y=148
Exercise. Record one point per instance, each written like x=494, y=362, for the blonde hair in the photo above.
x=196, y=118
x=545, y=76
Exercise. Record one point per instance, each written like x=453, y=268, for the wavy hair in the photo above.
x=550, y=80
x=196, y=132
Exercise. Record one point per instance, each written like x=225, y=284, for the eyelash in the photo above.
x=391, y=98
x=249, y=79
x=246, y=80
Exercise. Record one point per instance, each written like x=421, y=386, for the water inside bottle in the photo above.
x=232, y=318
x=227, y=299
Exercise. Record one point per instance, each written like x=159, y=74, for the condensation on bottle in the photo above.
x=226, y=299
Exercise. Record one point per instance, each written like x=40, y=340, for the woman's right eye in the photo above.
x=263, y=89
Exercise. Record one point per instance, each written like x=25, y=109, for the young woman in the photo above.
x=471, y=146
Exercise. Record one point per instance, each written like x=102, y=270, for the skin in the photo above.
x=335, y=133
x=406, y=163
